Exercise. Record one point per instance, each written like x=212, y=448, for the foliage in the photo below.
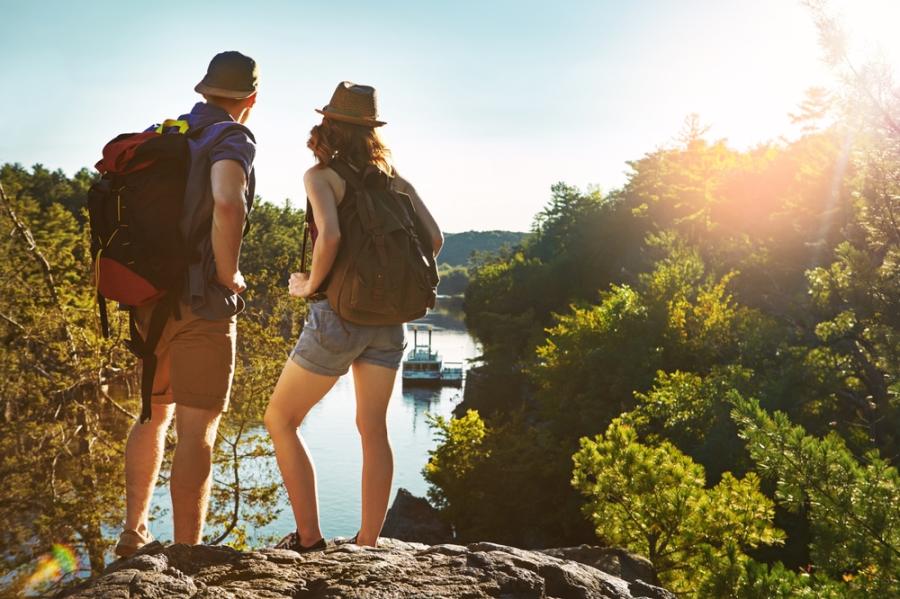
x=509, y=455
x=459, y=448
x=749, y=579
x=60, y=430
x=560, y=262
x=858, y=298
x=678, y=317
x=454, y=279
x=655, y=501
x=851, y=504
x=692, y=410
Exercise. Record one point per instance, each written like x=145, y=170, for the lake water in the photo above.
x=331, y=435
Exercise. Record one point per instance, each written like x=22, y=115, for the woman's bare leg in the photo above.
x=374, y=385
x=296, y=392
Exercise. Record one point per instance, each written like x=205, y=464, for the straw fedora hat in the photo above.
x=352, y=103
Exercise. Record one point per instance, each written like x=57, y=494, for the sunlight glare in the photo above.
x=871, y=28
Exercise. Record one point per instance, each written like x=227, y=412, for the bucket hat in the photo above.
x=352, y=103
x=230, y=75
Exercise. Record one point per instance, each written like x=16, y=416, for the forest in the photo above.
x=462, y=250
x=702, y=365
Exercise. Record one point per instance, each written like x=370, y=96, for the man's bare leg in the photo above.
x=143, y=457
x=192, y=471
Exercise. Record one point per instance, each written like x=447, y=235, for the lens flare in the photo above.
x=52, y=566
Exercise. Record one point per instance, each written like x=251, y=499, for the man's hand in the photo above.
x=236, y=283
x=299, y=286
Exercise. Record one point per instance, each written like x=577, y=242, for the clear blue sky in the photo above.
x=488, y=103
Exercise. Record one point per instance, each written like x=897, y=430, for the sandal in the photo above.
x=291, y=542
x=130, y=541
x=343, y=541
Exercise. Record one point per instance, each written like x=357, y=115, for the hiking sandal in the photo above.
x=291, y=541
x=343, y=541
x=130, y=541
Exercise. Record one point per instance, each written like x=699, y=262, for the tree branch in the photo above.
x=32, y=249
x=236, y=490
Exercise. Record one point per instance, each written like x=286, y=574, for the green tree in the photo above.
x=693, y=411
x=653, y=499
x=851, y=505
x=459, y=449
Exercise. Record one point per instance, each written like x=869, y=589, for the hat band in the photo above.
x=330, y=108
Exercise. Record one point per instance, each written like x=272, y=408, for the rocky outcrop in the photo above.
x=612, y=560
x=413, y=519
x=395, y=569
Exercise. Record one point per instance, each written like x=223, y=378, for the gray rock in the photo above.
x=412, y=518
x=613, y=560
x=395, y=569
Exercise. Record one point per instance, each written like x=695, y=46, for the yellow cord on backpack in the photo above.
x=182, y=125
x=97, y=269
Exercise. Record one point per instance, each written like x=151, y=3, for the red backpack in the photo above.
x=138, y=252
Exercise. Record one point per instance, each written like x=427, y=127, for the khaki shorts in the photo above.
x=195, y=359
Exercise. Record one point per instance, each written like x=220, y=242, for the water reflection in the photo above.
x=422, y=401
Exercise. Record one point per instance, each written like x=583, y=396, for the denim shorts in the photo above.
x=328, y=345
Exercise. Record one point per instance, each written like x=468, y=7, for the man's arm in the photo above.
x=229, y=183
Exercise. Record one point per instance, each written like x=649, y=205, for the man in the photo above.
x=196, y=351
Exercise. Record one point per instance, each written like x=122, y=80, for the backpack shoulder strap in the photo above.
x=222, y=128
x=347, y=173
x=145, y=347
x=307, y=219
x=363, y=200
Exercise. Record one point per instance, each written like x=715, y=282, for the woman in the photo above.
x=329, y=345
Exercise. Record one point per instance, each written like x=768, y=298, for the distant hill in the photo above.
x=459, y=246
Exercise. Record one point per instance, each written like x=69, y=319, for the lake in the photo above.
x=331, y=435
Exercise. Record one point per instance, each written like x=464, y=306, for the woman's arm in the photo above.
x=437, y=238
x=324, y=207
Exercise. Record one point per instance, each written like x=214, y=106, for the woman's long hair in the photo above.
x=357, y=144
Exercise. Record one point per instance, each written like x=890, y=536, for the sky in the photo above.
x=488, y=103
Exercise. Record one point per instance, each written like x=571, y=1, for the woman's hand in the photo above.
x=299, y=285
